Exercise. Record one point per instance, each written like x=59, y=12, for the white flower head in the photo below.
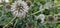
x=41, y=17
x=48, y=5
x=19, y=8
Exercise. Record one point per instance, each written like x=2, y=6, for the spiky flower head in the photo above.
x=48, y=5
x=29, y=25
x=41, y=17
x=8, y=6
x=50, y=18
x=19, y=9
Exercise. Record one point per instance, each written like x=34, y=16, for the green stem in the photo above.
x=15, y=23
x=9, y=22
x=35, y=24
x=38, y=11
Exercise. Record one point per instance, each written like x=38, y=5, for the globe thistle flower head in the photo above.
x=7, y=7
x=29, y=25
x=19, y=8
x=29, y=3
x=48, y=5
x=41, y=17
x=51, y=19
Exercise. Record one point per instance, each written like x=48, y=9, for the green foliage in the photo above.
x=7, y=20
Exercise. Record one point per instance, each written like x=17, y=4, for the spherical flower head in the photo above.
x=48, y=5
x=8, y=6
x=19, y=9
x=29, y=25
x=50, y=18
x=41, y=17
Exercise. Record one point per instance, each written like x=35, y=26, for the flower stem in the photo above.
x=35, y=24
x=38, y=11
x=9, y=22
x=15, y=23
